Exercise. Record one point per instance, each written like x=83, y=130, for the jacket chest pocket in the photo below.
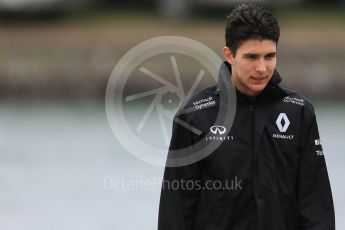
x=280, y=147
x=230, y=159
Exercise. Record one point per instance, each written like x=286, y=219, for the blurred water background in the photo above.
x=59, y=160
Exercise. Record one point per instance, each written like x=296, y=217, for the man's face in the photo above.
x=253, y=65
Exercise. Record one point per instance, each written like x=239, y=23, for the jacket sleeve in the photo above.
x=178, y=201
x=316, y=211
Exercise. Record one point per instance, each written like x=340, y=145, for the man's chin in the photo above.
x=257, y=89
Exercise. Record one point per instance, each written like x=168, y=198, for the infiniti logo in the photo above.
x=216, y=129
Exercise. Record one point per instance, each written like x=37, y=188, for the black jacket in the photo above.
x=268, y=171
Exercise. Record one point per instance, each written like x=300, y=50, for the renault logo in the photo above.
x=282, y=122
x=216, y=129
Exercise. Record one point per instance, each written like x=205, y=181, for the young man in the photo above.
x=274, y=153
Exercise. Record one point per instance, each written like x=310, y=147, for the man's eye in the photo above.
x=270, y=56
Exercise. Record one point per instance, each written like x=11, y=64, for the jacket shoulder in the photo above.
x=200, y=100
x=294, y=98
x=203, y=95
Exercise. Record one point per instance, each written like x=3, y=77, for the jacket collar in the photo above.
x=271, y=90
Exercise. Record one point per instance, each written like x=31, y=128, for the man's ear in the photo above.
x=228, y=55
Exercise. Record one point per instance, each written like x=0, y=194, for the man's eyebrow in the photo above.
x=257, y=55
x=251, y=55
x=271, y=54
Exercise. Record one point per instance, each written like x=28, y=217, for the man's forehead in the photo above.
x=258, y=46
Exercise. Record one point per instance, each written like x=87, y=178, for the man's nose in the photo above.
x=261, y=65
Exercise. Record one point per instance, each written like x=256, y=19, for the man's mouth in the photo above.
x=258, y=78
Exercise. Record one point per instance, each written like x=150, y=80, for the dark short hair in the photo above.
x=249, y=21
